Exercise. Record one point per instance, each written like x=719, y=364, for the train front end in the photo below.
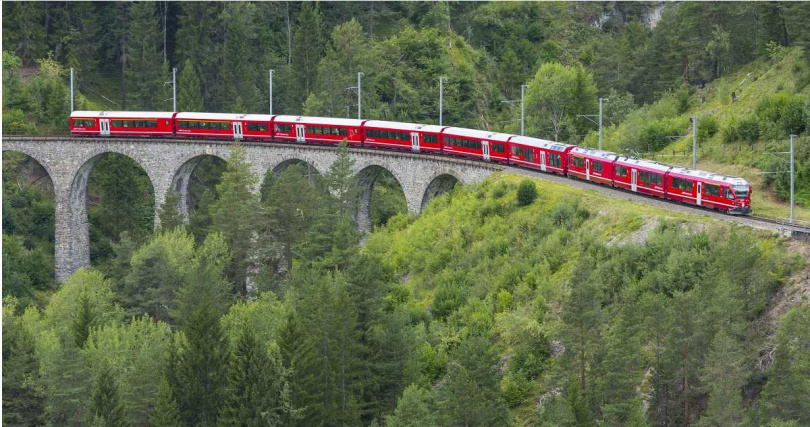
x=742, y=197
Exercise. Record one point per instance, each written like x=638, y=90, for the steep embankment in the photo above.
x=596, y=306
x=744, y=118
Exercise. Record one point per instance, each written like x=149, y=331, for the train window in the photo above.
x=134, y=123
x=682, y=184
x=257, y=127
x=727, y=193
x=742, y=191
x=529, y=154
x=84, y=122
x=517, y=151
x=621, y=171
x=578, y=162
x=650, y=178
x=711, y=189
x=498, y=148
x=555, y=160
x=430, y=139
x=596, y=167
x=284, y=128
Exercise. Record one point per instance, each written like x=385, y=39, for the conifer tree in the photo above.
x=258, y=393
x=166, y=412
x=234, y=214
x=170, y=217
x=300, y=359
x=144, y=57
x=84, y=321
x=413, y=409
x=189, y=92
x=202, y=367
x=787, y=393
x=23, y=403
x=105, y=401
x=238, y=68
x=308, y=45
x=724, y=375
x=162, y=100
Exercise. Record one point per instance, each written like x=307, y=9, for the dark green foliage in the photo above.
x=166, y=412
x=170, y=217
x=659, y=133
x=84, y=321
x=787, y=394
x=745, y=129
x=189, y=93
x=526, y=192
x=105, y=407
x=414, y=409
x=257, y=393
x=299, y=357
x=23, y=403
x=202, y=367
x=387, y=200
x=707, y=127
x=143, y=73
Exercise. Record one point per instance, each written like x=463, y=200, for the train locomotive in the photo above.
x=694, y=187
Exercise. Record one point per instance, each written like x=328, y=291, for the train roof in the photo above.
x=541, y=143
x=607, y=155
x=223, y=116
x=124, y=114
x=475, y=133
x=404, y=126
x=733, y=180
x=648, y=164
x=319, y=120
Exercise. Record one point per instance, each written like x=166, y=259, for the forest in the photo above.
x=511, y=302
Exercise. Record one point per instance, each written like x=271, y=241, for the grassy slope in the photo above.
x=479, y=240
x=751, y=84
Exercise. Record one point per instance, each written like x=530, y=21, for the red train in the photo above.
x=725, y=193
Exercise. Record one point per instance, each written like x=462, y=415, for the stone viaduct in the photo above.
x=169, y=164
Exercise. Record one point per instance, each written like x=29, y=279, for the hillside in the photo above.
x=581, y=295
x=765, y=92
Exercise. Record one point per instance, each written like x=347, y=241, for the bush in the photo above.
x=784, y=112
x=745, y=129
x=707, y=127
x=655, y=135
x=448, y=298
x=527, y=192
x=15, y=122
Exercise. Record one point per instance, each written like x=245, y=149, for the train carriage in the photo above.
x=216, y=125
x=725, y=193
x=403, y=136
x=547, y=156
x=478, y=144
x=121, y=123
x=641, y=176
x=318, y=130
x=592, y=165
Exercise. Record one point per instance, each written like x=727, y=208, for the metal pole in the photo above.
x=441, y=95
x=694, y=142
x=174, y=90
x=522, y=110
x=71, y=89
x=359, y=96
x=271, y=92
x=600, y=123
x=792, y=139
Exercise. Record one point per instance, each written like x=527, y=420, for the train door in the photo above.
x=104, y=125
x=587, y=169
x=415, y=141
x=485, y=147
x=299, y=133
x=699, y=193
x=237, y=130
x=543, y=161
x=633, y=179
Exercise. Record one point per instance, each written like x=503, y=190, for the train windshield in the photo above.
x=741, y=191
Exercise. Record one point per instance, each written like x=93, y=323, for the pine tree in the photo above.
x=166, y=412
x=234, y=215
x=105, y=401
x=258, y=393
x=144, y=57
x=239, y=70
x=170, y=217
x=162, y=100
x=189, y=93
x=300, y=359
x=413, y=409
x=23, y=403
x=85, y=319
x=198, y=43
x=787, y=393
x=724, y=375
x=308, y=45
x=202, y=367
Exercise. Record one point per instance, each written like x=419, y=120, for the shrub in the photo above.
x=448, y=298
x=655, y=135
x=15, y=122
x=527, y=192
x=784, y=112
x=707, y=127
x=745, y=129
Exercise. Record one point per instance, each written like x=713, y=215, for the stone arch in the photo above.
x=366, y=178
x=280, y=167
x=181, y=178
x=80, y=229
x=440, y=184
x=41, y=162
